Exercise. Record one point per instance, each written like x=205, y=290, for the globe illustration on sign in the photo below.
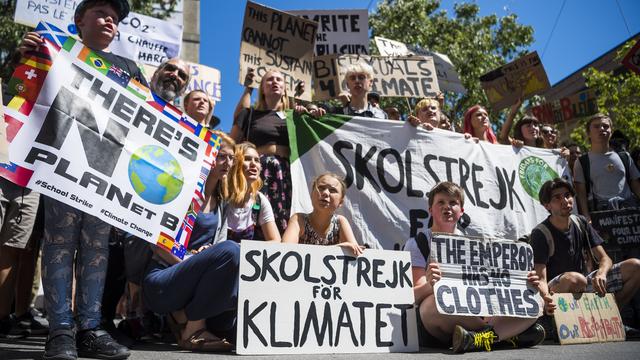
x=534, y=172
x=155, y=174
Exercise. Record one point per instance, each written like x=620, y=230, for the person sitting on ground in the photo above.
x=359, y=79
x=199, y=106
x=74, y=239
x=605, y=179
x=322, y=226
x=427, y=114
x=477, y=125
x=200, y=291
x=250, y=213
x=462, y=333
x=568, y=253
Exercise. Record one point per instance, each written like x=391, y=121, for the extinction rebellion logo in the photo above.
x=534, y=172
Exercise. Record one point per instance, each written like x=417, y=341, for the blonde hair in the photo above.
x=343, y=185
x=221, y=191
x=360, y=68
x=426, y=102
x=238, y=186
x=261, y=104
x=207, y=118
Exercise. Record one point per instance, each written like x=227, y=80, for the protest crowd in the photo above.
x=105, y=289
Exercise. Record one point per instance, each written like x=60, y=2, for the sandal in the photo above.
x=197, y=343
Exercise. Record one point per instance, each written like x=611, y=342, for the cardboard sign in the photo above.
x=587, y=318
x=632, y=59
x=273, y=39
x=618, y=227
x=578, y=105
x=326, y=82
x=521, y=78
x=4, y=144
x=339, y=31
x=484, y=277
x=90, y=136
x=140, y=38
x=309, y=299
x=413, y=76
x=448, y=79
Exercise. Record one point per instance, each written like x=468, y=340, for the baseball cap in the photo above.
x=121, y=7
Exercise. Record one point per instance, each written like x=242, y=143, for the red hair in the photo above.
x=468, y=128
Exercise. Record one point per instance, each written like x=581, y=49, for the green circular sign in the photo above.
x=533, y=172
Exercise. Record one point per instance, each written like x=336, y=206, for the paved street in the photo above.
x=32, y=348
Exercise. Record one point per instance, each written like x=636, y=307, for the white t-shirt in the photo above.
x=239, y=219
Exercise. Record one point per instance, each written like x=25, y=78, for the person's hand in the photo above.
x=516, y=106
x=317, y=112
x=549, y=305
x=201, y=249
x=517, y=143
x=354, y=248
x=433, y=273
x=300, y=109
x=414, y=120
x=300, y=87
x=30, y=42
x=533, y=278
x=599, y=282
x=427, y=126
x=344, y=97
x=468, y=136
x=248, y=78
x=565, y=153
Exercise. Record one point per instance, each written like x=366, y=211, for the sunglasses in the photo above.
x=549, y=131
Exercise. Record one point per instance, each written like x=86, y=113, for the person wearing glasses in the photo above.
x=549, y=136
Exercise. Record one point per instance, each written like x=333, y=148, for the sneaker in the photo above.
x=17, y=329
x=464, y=340
x=60, y=345
x=98, y=344
x=116, y=334
x=31, y=324
x=631, y=332
x=533, y=336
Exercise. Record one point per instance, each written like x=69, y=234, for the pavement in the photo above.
x=33, y=347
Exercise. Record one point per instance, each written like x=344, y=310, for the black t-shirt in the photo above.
x=568, y=248
x=126, y=65
x=266, y=127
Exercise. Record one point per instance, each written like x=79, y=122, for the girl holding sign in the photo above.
x=322, y=226
x=477, y=124
x=462, y=333
x=200, y=292
x=250, y=214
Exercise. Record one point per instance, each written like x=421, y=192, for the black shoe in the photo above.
x=464, y=340
x=533, y=336
x=98, y=344
x=116, y=334
x=17, y=330
x=31, y=324
x=61, y=345
x=631, y=332
x=5, y=325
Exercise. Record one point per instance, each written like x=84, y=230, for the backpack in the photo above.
x=590, y=261
x=586, y=171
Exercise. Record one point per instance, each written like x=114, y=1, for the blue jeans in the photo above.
x=205, y=285
x=67, y=231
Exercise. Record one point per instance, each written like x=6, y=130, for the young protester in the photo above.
x=574, y=153
x=568, y=253
x=462, y=333
x=250, y=214
x=427, y=114
x=549, y=137
x=199, y=106
x=477, y=125
x=605, y=179
x=322, y=226
x=393, y=113
x=265, y=126
x=200, y=292
x=73, y=237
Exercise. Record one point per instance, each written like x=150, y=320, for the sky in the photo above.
x=585, y=30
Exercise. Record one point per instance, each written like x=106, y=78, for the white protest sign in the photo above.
x=482, y=277
x=140, y=38
x=390, y=166
x=447, y=75
x=272, y=39
x=304, y=299
x=339, y=31
x=412, y=76
x=95, y=139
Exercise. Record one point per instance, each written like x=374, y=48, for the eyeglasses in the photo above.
x=354, y=77
x=549, y=131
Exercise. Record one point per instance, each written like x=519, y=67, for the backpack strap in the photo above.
x=586, y=172
x=581, y=224
x=423, y=245
x=547, y=235
x=626, y=161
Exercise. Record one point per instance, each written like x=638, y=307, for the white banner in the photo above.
x=484, y=277
x=390, y=167
x=447, y=75
x=140, y=38
x=308, y=299
x=339, y=31
x=93, y=138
